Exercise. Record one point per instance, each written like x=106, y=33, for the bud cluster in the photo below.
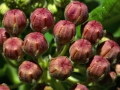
x=52, y=53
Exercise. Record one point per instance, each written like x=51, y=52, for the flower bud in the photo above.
x=35, y=44
x=108, y=80
x=93, y=31
x=98, y=68
x=76, y=12
x=81, y=51
x=41, y=20
x=3, y=36
x=60, y=68
x=29, y=72
x=109, y=50
x=64, y=32
x=12, y=48
x=4, y=87
x=14, y=21
x=79, y=87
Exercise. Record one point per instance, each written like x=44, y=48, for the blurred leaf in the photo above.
x=117, y=32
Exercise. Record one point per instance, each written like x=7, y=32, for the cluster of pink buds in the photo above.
x=52, y=54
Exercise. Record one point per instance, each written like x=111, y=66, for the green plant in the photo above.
x=97, y=66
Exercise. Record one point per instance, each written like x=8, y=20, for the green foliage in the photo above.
x=105, y=11
x=108, y=13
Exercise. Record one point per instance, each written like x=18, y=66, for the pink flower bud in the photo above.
x=4, y=87
x=76, y=12
x=98, y=68
x=29, y=72
x=12, y=48
x=60, y=68
x=14, y=21
x=64, y=32
x=35, y=44
x=109, y=50
x=41, y=20
x=3, y=36
x=81, y=51
x=93, y=31
x=79, y=87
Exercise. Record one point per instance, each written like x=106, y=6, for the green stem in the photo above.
x=15, y=86
x=72, y=80
x=3, y=70
x=10, y=63
x=64, y=50
x=58, y=50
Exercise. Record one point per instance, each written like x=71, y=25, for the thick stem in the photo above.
x=10, y=63
x=15, y=86
x=64, y=50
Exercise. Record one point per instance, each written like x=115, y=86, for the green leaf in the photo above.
x=104, y=11
x=49, y=37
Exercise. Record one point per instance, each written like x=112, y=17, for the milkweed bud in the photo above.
x=76, y=12
x=3, y=36
x=98, y=68
x=12, y=48
x=29, y=72
x=79, y=87
x=64, y=32
x=109, y=50
x=4, y=87
x=92, y=31
x=35, y=44
x=14, y=21
x=41, y=20
x=81, y=51
x=60, y=68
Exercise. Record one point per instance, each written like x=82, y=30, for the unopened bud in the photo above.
x=41, y=20
x=81, y=51
x=14, y=21
x=29, y=72
x=35, y=44
x=93, y=31
x=98, y=68
x=60, y=68
x=4, y=87
x=76, y=12
x=79, y=87
x=64, y=32
x=12, y=48
x=109, y=50
x=3, y=36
